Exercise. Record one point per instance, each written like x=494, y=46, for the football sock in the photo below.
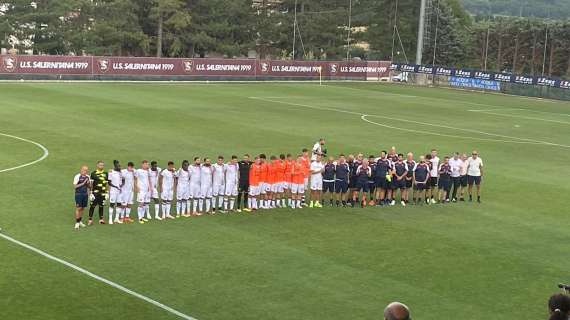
x=208, y=203
x=111, y=209
x=156, y=210
x=232, y=203
x=100, y=212
x=78, y=220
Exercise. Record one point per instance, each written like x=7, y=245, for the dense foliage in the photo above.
x=380, y=29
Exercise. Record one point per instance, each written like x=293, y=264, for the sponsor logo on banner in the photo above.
x=523, y=80
x=103, y=65
x=265, y=66
x=503, y=77
x=394, y=66
x=483, y=75
x=188, y=65
x=409, y=68
x=426, y=70
x=334, y=68
x=463, y=73
x=564, y=84
x=543, y=81
x=9, y=63
x=462, y=82
x=441, y=71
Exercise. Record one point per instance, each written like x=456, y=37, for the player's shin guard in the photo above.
x=156, y=210
x=209, y=201
x=147, y=210
x=111, y=209
x=188, y=207
x=232, y=203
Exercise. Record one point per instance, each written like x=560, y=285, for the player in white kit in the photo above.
x=127, y=192
x=206, y=183
x=231, y=183
x=154, y=173
x=142, y=186
x=195, y=174
x=182, y=178
x=166, y=183
x=316, y=170
x=219, y=185
x=115, y=184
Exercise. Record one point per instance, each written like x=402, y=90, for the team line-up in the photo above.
x=277, y=182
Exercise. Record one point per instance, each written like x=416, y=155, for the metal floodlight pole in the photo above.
x=420, y=45
x=436, y=31
x=394, y=31
x=545, y=47
x=349, y=31
x=294, y=29
x=487, y=46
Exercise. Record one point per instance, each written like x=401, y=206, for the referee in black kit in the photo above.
x=243, y=188
x=99, y=180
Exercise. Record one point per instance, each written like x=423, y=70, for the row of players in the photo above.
x=279, y=182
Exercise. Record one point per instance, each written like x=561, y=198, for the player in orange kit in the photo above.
x=298, y=173
x=306, y=161
x=254, y=185
x=265, y=190
x=279, y=184
x=288, y=180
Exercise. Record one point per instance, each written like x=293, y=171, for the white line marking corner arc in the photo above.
x=43, y=148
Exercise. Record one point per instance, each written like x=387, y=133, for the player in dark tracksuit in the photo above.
x=371, y=180
x=342, y=175
x=328, y=180
x=352, y=165
x=444, y=182
x=243, y=188
x=411, y=164
x=421, y=177
x=399, y=181
x=363, y=174
x=383, y=166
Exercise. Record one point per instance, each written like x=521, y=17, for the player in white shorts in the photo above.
x=297, y=182
x=219, y=185
x=195, y=176
x=317, y=168
x=182, y=178
x=142, y=185
x=154, y=173
x=206, y=182
x=231, y=180
x=115, y=184
x=166, y=183
x=127, y=192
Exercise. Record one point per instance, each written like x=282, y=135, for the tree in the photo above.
x=171, y=19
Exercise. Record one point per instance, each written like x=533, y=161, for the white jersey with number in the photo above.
x=143, y=180
x=232, y=179
x=195, y=174
x=316, y=171
x=183, y=178
x=116, y=180
x=317, y=149
x=206, y=176
x=455, y=165
x=219, y=174
x=154, y=178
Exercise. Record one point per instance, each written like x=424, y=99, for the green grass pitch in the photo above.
x=497, y=260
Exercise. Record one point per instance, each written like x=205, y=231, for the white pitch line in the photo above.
x=363, y=117
x=69, y=264
x=495, y=109
x=99, y=278
x=44, y=155
x=518, y=116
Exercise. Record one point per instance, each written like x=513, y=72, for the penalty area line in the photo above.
x=44, y=155
x=99, y=278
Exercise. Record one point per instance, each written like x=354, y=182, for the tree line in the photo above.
x=379, y=30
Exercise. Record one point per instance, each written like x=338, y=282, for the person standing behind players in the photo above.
x=154, y=173
x=81, y=185
x=318, y=149
x=363, y=173
x=231, y=180
x=410, y=165
x=219, y=186
x=182, y=179
x=206, y=181
x=142, y=186
x=127, y=191
x=341, y=183
x=243, y=187
x=400, y=170
x=474, y=174
x=195, y=187
x=434, y=171
x=166, y=183
x=99, y=179
x=115, y=185
x=254, y=185
x=421, y=177
x=444, y=183
x=317, y=169
x=328, y=180
x=455, y=164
